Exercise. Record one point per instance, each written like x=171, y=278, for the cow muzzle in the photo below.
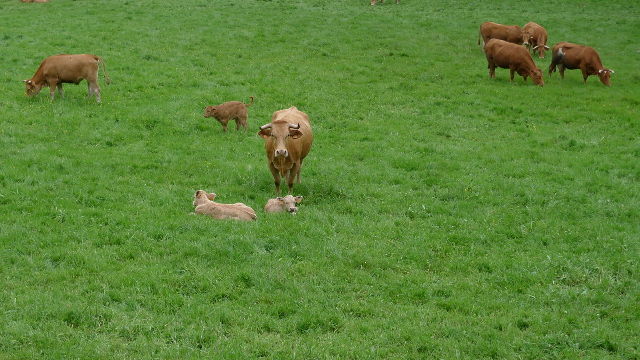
x=281, y=152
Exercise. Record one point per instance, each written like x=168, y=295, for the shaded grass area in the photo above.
x=446, y=214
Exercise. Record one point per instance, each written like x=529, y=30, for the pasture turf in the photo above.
x=445, y=215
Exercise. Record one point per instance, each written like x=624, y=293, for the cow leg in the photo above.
x=584, y=75
x=295, y=169
x=276, y=177
x=561, y=70
x=511, y=71
x=94, y=89
x=243, y=122
x=53, y=84
x=60, y=91
x=299, y=171
x=492, y=69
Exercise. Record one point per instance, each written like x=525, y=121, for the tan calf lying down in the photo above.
x=231, y=110
x=204, y=204
x=280, y=204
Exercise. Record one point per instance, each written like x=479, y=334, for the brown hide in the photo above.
x=534, y=36
x=286, y=144
x=514, y=57
x=491, y=30
x=231, y=110
x=573, y=56
x=59, y=69
x=205, y=205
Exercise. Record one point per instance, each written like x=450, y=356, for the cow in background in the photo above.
x=491, y=30
x=514, y=57
x=58, y=69
x=574, y=56
x=534, y=37
x=288, y=140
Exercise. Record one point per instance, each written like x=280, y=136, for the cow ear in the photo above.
x=295, y=133
x=280, y=198
x=298, y=199
x=546, y=47
x=264, y=133
x=211, y=196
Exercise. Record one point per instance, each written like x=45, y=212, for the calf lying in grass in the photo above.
x=204, y=204
x=280, y=204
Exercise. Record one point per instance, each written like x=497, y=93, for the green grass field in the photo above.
x=446, y=215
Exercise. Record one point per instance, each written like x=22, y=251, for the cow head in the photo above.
x=527, y=37
x=541, y=49
x=605, y=76
x=209, y=111
x=31, y=88
x=289, y=203
x=278, y=133
x=536, y=76
x=202, y=197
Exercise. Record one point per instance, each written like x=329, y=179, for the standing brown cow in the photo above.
x=288, y=139
x=574, y=56
x=58, y=69
x=514, y=57
x=534, y=37
x=491, y=30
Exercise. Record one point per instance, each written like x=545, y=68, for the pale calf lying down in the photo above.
x=204, y=204
x=281, y=204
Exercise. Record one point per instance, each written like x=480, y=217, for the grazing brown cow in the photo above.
x=373, y=2
x=491, y=30
x=534, y=37
x=573, y=56
x=204, y=204
x=281, y=204
x=58, y=69
x=514, y=57
x=288, y=139
x=231, y=110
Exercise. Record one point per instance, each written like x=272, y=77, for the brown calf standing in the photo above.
x=231, y=110
x=491, y=30
x=58, y=69
x=514, y=57
x=574, y=56
x=534, y=37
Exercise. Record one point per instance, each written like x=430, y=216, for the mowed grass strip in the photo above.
x=445, y=214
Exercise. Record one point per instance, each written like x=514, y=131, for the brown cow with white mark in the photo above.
x=288, y=140
x=514, y=57
x=574, y=56
x=205, y=205
x=58, y=69
x=534, y=37
x=491, y=30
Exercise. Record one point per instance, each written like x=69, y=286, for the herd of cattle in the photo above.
x=288, y=137
x=503, y=48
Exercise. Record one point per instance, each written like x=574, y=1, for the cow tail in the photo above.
x=107, y=79
x=250, y=102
